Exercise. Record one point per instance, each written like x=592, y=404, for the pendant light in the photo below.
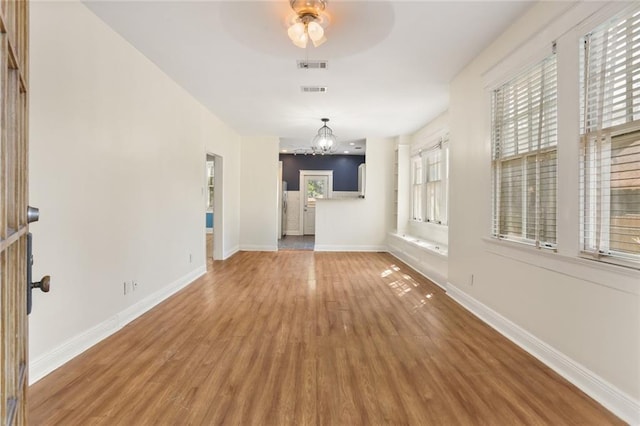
x=324, y=142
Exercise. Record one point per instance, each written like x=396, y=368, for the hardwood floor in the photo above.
x=209, y=246
x=297, y=337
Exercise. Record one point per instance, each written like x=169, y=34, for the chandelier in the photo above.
x=307, y=23
x=324, y=142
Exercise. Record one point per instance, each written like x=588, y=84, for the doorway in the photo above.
x=210, y=191
x=213, y=208
x=314, y=185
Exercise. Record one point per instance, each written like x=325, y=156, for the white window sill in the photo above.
x=434, y=248
x=430, y=223
x=600, y=273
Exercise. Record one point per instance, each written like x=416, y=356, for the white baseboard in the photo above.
x=258, y=248
x=45, y=364
x=328, y=247
x=139, y=308
x=433, y=276
x=617, y=401
x=293, y=232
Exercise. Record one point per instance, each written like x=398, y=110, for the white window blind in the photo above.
x=524, y=148
x=417, y=200
x=433, y=162
x=610, y=141
x=430, y=183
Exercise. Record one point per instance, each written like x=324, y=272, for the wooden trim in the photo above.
x=14, y=197
x=4, y=162
x=3, y=20
x=12, y=238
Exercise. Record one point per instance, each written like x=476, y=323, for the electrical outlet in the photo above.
x=134, y=285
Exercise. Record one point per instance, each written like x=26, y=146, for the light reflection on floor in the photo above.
x=403, y=286
x=311, y=276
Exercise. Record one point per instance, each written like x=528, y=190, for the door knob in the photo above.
x=33, y=214
x=43, y=284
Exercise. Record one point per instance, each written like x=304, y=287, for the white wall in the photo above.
x=402, y=181
x=587, y=313
x=361, y=224
x=221, y=140
x=117, y=168
x=259, y=193
x=431, y=132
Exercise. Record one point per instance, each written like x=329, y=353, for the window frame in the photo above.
x=500, y=156
x=565, y=260
x=604, y=254
x=417, y=199
x=596, y=143
x=423, y=209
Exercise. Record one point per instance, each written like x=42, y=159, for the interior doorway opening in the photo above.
x=313, y=185
x=213, y=208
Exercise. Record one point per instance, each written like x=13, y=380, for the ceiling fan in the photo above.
x=308, y=23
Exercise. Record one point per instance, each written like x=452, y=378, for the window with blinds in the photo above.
x=610, y=140
x=433, y=163
x=524, y=156
x=417, y=201
x=430, y=183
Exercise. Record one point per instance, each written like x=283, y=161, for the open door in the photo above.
x=314, y=184
x=314, y=187
x=14, y=226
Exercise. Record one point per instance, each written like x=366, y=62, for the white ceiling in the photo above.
x=390, y=62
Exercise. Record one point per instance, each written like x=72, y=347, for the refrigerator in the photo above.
x=283, y=207
x=362, y=173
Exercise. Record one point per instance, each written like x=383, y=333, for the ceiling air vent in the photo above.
x=313, y=89
x=304, y=64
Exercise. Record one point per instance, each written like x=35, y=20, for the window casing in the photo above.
x=430, y=176
x=524, y=156
x=610, y=141
x=417, y=183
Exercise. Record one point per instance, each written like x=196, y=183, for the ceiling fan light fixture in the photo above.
x=315, y=31
x=302, y=42
x=308, y=22
x=308, y=7
x=296, y=31
x=298, y=34
x=317, y=43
